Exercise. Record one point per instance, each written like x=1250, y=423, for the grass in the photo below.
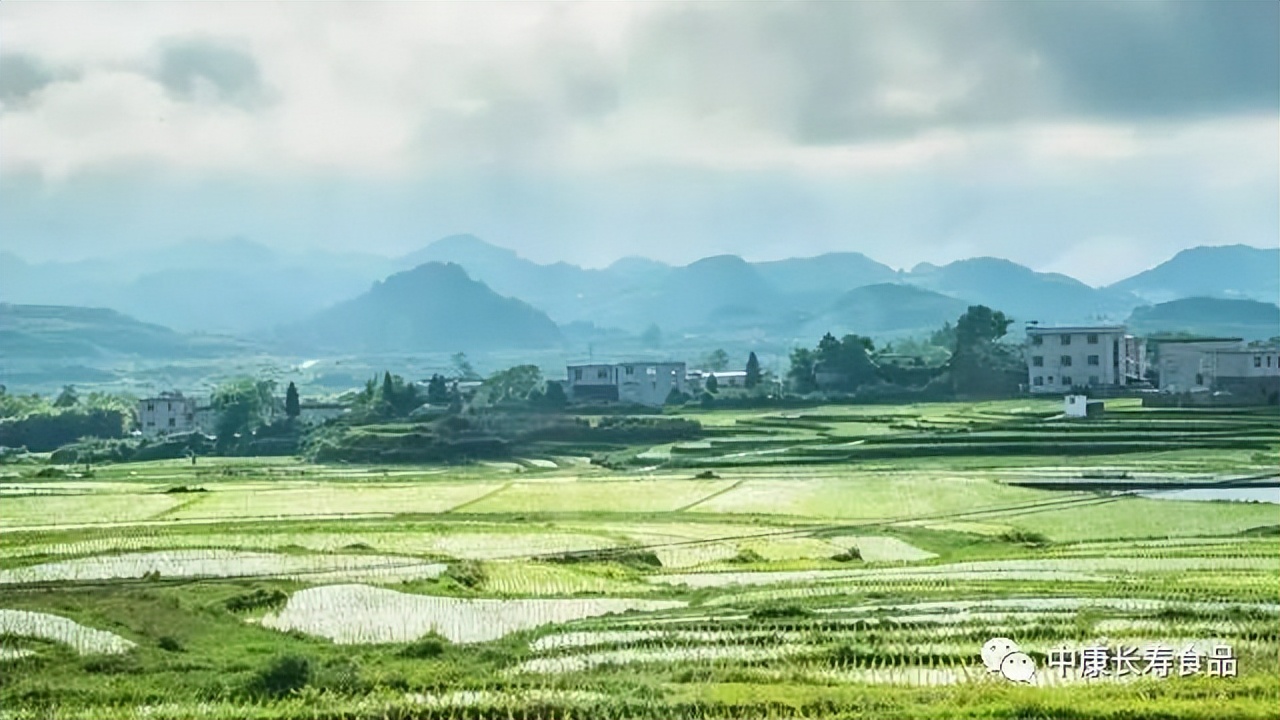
x=949, y=555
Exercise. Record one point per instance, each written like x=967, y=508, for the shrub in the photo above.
x=169, y=644
x=51, y=472
x=467, y=573
x=770, y=612
x=425, y=647
x=747, y=556
x=257, y=598
x=850, y=555
x=1024, y=537
x=282, y=675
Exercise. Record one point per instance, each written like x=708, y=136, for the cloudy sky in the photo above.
x=1083, y=137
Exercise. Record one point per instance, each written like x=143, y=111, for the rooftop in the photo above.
x=1076, y=329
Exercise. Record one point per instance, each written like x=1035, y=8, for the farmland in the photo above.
x=844, y=561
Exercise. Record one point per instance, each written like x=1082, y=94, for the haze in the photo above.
x=1085, y=138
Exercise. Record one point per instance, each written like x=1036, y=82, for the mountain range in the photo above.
x=460, y=292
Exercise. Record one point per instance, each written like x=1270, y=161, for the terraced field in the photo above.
x=805, y=576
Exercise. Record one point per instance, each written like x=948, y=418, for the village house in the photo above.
x=644, y=383
x=1221, y=365
x=166, y=414
x=696, y=380
x=1103, y=356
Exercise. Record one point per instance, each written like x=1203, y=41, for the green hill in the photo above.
x=1248, y=319
x=433, y=307
x=888, y=308
x=59, y=332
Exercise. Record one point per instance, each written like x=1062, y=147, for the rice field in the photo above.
x=767, y=571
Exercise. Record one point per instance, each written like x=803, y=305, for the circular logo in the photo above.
x=1018, y=667
x=995, y=650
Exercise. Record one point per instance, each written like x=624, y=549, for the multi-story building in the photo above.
x=645, y=383
x=1250, y=374
x=1062, y=358
x=166, y=414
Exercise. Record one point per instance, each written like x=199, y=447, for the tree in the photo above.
x=980, y=324
x=292, y=405
x=717, y=361
x=652, y=336
x=243, y=405
x=512, y=384
x=753, y=371
x=437, y=390
x=980, y=365
x=388, y=394
x=462, y=368
x=67, y=398
x=800, y=374
x=555, y=397
x=712, y=385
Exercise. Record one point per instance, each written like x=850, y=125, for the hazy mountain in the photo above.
x=888, y=309
x=1022, y=292
x=433, y=307
x=1238, y=271
x=721, y=291
x=825, y=276
x=1247, y=319
x=564, y=291
x=29, y=332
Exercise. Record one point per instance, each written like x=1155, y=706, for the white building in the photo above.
x=1219, y=364
x=1060, y=358
x=645, y=383
x=166, y=414
x=697, y=379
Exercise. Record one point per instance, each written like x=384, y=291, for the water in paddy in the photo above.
x=1236, y=494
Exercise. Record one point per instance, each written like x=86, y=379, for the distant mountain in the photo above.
x=888, y=309
x=32, y=332
x=1228, y=271
x=721, y=291
x=824, y=277
x=433, y=307
x=1022, y=292
x=565, y=292
x=1248, y=319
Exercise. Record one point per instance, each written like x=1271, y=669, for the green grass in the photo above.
x=850, y=660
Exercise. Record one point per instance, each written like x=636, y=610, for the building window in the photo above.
x=1094, y=360
x=151, y=423
x=1037, y=361
x=1066, y=361
x=151, y=407
x=631, y=370
x=577, y=373
x=651, y=372
x=1066, y=380
x=1037, y=339
x=1199, y=379
x=1093, y=338
x=1049, y=380
x=1268, y=361
x=1093, y=380
x=173, y=422
x=1037, y=380
x=1065, y=338
x=602, y=374
x=1257, y=361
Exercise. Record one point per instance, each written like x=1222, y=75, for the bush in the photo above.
x=425, y=648
x=283, y=675
x=773, y=612
x=51, y=472
x=169, y=644
x=850, y=555
x=257, y=598
x=467, y=573
x=747, y=556
x=1023, y=537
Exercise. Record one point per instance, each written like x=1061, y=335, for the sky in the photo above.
x=1095, y=139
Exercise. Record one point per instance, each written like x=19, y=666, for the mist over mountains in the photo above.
x=461, y=292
